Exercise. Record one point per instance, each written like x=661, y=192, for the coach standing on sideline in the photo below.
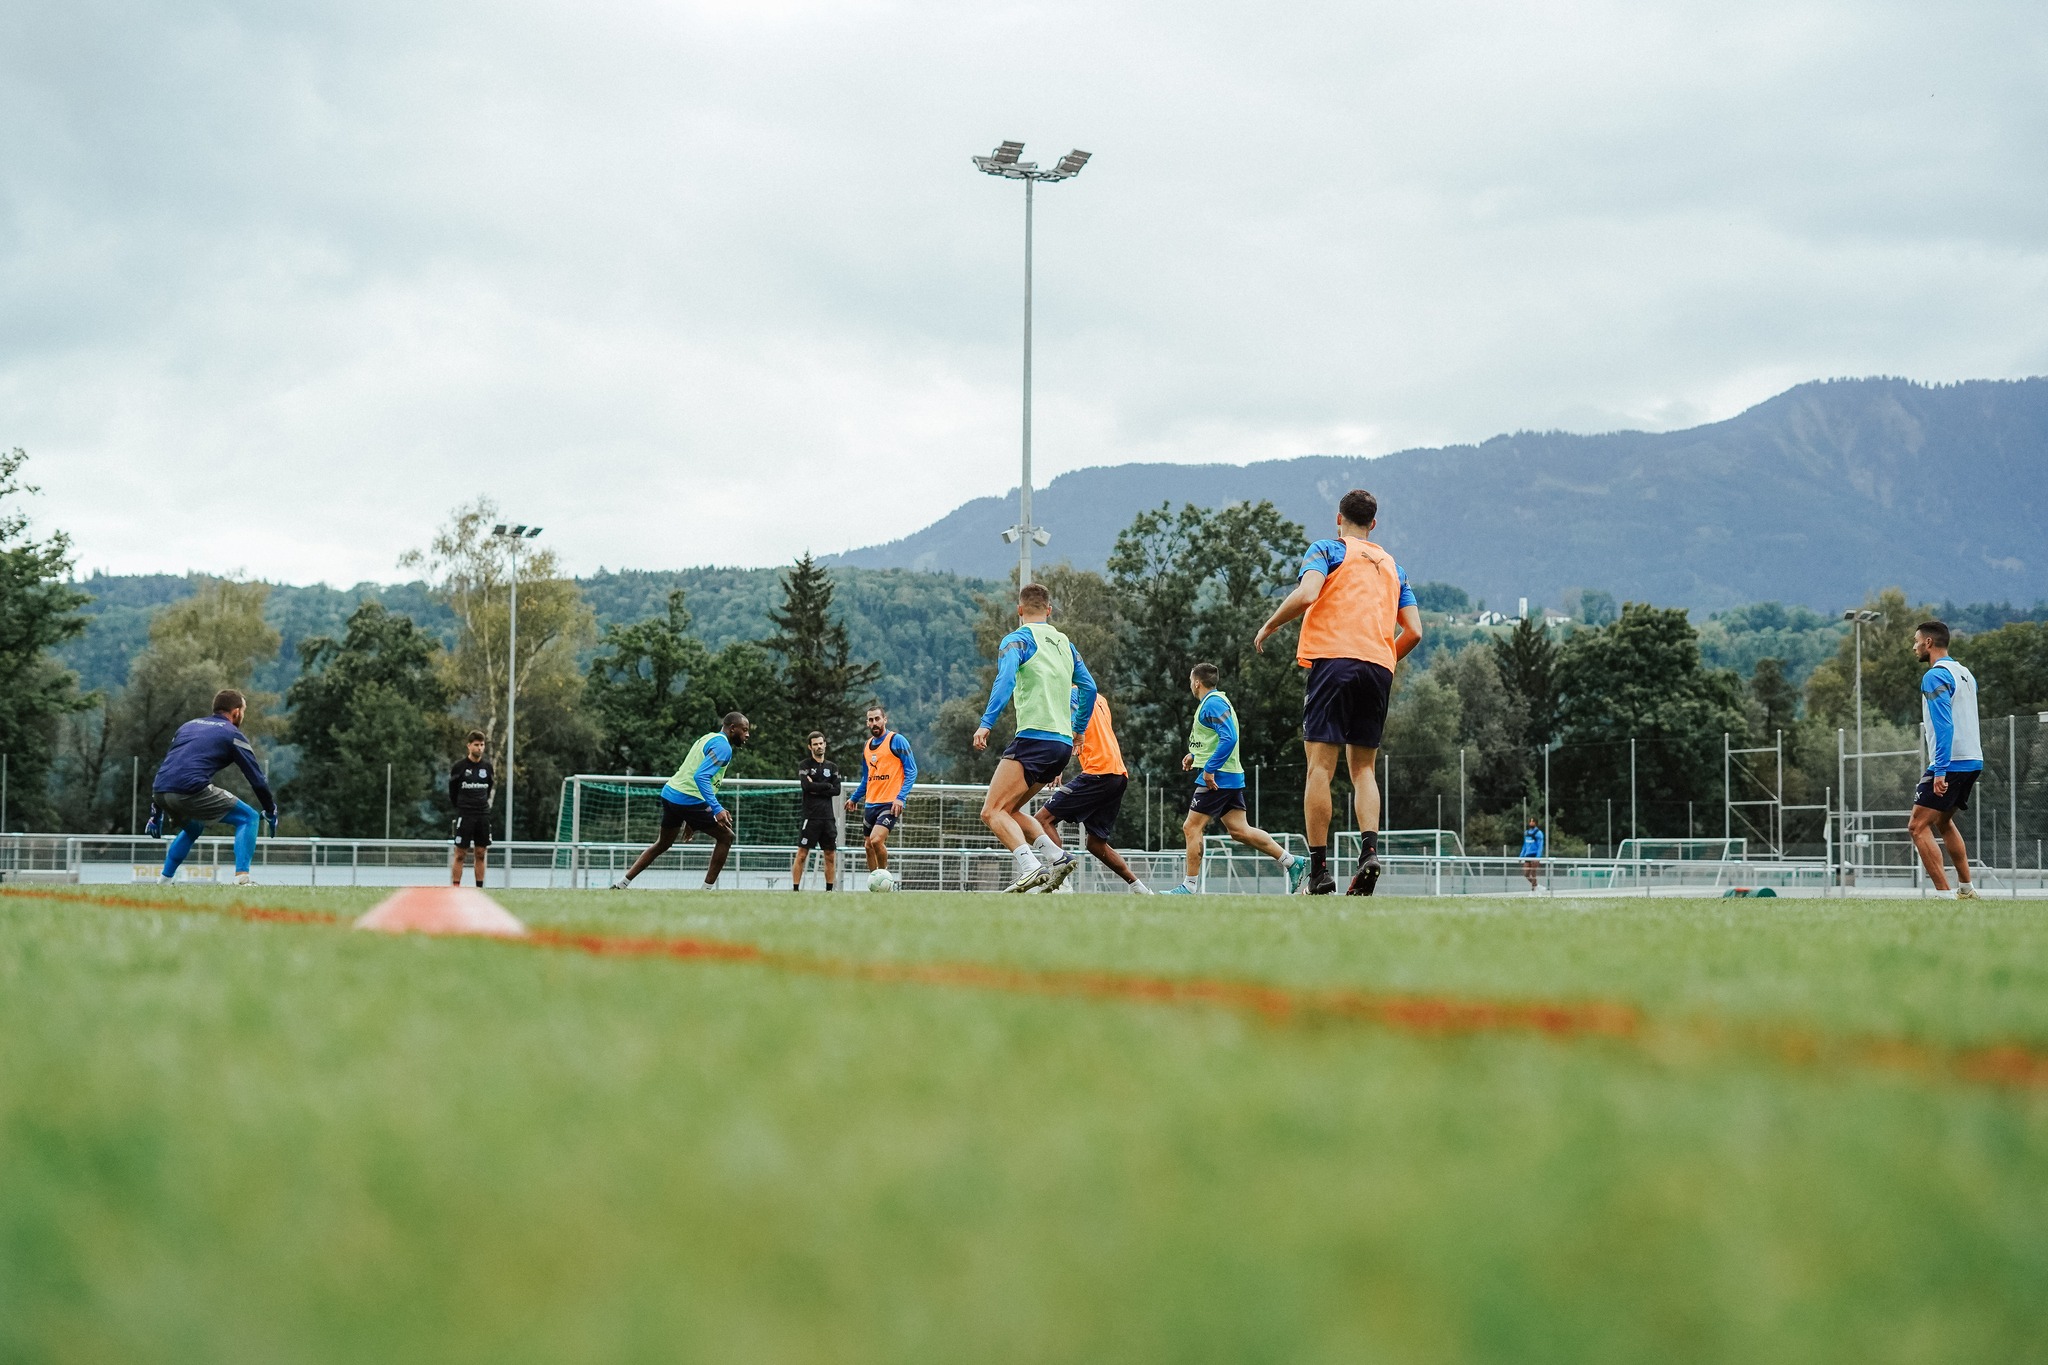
x=472, y=787
x=820, y=780
x=1359, y=619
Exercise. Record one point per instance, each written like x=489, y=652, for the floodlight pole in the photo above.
x=513, y=536
x=1024, y=521
x=1004, y=163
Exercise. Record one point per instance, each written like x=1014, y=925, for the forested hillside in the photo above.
x=1819, y=496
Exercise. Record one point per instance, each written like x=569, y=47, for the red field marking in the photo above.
x=2020, y=1066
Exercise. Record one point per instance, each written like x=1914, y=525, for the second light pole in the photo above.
x=1003, y=162
x=515, y=536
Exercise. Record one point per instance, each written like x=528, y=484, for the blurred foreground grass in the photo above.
x=230, y=1141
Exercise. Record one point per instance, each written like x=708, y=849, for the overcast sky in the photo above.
x=281, y=283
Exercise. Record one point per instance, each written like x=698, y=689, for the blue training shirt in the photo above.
x=1017, y=648
x=1215, y=713
x=1324, y=556
x=202, y=748
x=1949, y=693
x=1532, y=843
x=700, y=792
x=900, y=747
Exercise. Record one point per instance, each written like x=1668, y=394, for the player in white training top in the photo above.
x=1948, y=702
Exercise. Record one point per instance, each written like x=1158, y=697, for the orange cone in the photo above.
x=442, y=910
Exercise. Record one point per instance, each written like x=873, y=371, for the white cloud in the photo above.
x=715, y=282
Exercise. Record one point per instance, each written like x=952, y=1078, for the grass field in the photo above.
x=952, y=1128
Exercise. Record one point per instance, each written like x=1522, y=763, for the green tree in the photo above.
x=1775, y=699
x=1193, y=585
x=374, y=698
x=1492, y=724
x=1086, y=611
x=2011, y=664
x=823, y=687
x=472, y=571
x=1527, y=660
x=1640, y=678
x=215, y=638
x=1891, y=675
x=653, y=688
x=38, y=612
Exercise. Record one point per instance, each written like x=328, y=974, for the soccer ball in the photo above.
x=880, y=880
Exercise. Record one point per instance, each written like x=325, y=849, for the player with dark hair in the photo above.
x=472, y=787
x=819, y=778
x=182, y=793
x=689, y=800
x=1041, y=670
x=1533, y=840
x=1095, y=797
x=1948, y=706
x=1360, y=619
x=888, y=772
x=1219, y=787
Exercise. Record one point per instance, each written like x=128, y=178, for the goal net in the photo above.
x=608, y=809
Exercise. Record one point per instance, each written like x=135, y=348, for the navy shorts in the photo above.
x=695, y=814
x=1345, y=702
x=881, y=813
x=1043, y=760
x=1958, y=797
x=1093, y=799
x=1215, y=802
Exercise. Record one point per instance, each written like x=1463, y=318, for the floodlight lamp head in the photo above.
x=1071, y=164
x=1041, y=536
x=1006, y=153
x=499, y=529
x=1010, y=534
x=532, y=531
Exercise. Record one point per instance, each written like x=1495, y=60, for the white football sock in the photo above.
x=1284, y=858
x=1027, y=861
x=1048, y=851
x=1192, y=883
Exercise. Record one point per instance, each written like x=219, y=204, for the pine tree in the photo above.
x=823, y=688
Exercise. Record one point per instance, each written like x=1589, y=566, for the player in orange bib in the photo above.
x=1359, y=619
x=1097, y=795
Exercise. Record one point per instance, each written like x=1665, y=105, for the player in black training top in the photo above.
x=821, y=782
x=471, y=784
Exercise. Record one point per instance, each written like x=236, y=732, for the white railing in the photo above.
x=1228, y=868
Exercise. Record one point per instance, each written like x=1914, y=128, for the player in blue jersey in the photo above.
x=1948, y=700
x=182, y=794
x=1213, y=755
x=689, y=801
x=1039, y=669
x=1532, y=852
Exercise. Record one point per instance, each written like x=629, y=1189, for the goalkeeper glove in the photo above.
x=154, y=826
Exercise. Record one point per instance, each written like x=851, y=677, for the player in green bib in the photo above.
x=1039, y=671
x=689, y=800
x=1219, y=790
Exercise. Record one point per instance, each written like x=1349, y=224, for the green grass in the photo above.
x=226, y=1141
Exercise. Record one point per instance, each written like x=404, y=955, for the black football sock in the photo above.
x=1318, y=857
x=1371, y=840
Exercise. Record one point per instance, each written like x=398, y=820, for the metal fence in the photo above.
x=1228, y=868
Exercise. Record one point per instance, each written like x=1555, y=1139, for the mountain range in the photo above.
x=1818, y=496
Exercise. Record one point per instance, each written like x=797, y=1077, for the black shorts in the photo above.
x=1093, y=799
x=819, y=831
x=1345, y=702
x=1216, y=801
x=472, y=831
x=880, y=813
x=1042, y=760
x=1958, y=797
x=695, y=814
